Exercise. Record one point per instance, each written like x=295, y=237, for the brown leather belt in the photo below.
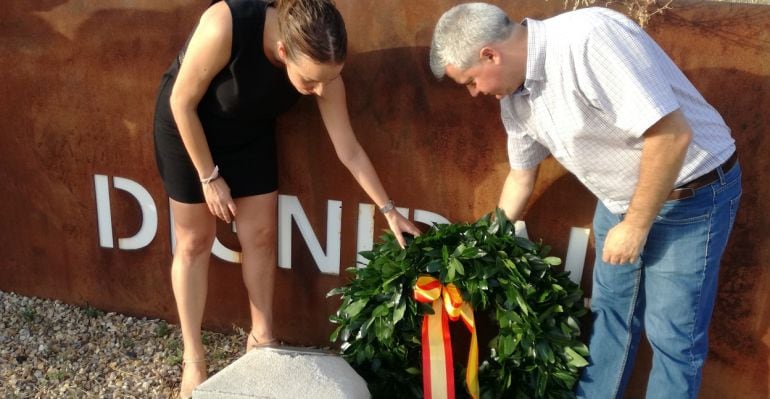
x=687, y=190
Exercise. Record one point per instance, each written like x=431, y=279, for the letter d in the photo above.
x=146, y=233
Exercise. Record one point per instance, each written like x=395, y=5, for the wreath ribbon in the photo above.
x=437, y=364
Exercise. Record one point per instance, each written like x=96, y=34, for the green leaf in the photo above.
x=433, y=266
x=507, y=345
x=398, y=313
x=567, y=379
x=575, y=359
x=458, y=251
x=542, y=380
x=380, y=310
x=345, y=333
x=573, y=323
x=557, y=288
x=580, y=348
x=457, y=266
x=521, y=302
x=544, y=351
x=552, y=260
x=355, y=308
x=471, y=253
x=364, y=330
x=335, y=333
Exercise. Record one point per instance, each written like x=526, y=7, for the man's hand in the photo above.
x=663, y=152
x=517, y=188
x=624, y=243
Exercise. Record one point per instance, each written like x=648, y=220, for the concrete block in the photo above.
x=285, y=373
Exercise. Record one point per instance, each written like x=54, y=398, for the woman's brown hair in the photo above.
x=314, y=28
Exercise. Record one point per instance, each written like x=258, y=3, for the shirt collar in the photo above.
x=535, y=56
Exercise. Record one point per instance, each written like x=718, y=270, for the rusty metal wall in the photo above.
x=76, y=100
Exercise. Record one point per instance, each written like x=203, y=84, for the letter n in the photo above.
x=290, y=209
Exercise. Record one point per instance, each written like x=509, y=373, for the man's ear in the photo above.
x=489, y=54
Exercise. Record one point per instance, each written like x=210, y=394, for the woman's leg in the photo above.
x=194, y=229
x=256, y=227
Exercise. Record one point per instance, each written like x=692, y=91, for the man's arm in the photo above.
x=664, y=149
x=516, y=191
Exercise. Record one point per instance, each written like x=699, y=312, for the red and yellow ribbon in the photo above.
x=437, y=364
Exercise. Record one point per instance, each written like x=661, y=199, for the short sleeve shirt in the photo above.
x=595, y=82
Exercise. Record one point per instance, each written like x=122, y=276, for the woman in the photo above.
x=246, y=62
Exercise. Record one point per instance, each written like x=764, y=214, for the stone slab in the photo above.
x=285, y=373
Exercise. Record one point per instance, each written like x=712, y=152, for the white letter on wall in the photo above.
x=149, y=214
x=365, y=238
x=429, y=218
x=224, y=253
x=104, y=214
x=576, y=253
x=289, y=208
x=520, y=229
x=103, y=211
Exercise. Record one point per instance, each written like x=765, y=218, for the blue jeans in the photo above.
x=669, y=292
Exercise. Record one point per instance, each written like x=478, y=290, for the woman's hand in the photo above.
x=399, y=225
x=221, y=204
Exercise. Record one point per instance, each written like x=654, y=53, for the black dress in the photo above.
x=237, y=112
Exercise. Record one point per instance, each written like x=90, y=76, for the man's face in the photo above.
x=484, y=77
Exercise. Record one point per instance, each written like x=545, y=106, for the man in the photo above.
x=591, y=88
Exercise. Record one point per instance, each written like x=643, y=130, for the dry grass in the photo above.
x=643, y=10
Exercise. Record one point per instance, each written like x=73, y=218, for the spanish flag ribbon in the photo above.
x=437, y=364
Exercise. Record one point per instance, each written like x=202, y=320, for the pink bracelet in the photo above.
x=214, y=175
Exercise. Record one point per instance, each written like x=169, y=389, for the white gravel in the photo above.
x=52, y=350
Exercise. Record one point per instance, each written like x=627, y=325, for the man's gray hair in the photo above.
x=462, y=32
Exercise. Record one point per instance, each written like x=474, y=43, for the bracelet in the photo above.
x=387, y=207
x=214, y=175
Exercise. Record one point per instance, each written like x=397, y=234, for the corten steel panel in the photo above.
x=725, y=51
x=77, y=98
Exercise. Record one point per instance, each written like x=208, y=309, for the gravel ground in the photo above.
x=52, y=350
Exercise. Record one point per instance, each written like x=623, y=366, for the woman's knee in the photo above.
x=258, y=237
x=193, y=244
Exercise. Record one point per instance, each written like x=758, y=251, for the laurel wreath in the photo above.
x=532, y=305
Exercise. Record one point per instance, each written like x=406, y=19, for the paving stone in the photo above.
x=285, y=373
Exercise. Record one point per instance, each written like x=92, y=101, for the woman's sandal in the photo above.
x=264, y=344
x=184, y=364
